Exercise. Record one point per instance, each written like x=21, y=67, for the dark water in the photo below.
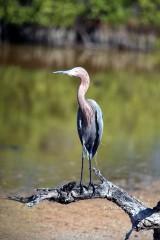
x=39, y=145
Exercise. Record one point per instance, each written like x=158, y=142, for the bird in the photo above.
x=89, y=120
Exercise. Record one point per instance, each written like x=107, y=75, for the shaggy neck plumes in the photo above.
x=83, y=104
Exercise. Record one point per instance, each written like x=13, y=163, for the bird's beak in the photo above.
x=68, y=72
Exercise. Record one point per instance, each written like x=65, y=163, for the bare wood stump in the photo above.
x=141, y=216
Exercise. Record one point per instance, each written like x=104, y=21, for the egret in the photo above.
x=89, y=120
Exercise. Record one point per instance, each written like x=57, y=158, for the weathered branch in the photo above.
x=141, y=216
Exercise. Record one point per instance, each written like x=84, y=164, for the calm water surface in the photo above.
x=39, y=145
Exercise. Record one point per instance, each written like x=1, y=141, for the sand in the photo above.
x=96, y=219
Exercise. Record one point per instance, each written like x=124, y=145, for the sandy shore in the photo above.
x=92, y=219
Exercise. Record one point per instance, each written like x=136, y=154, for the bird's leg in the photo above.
x=81, y=185
x=90, y=171
x=90, y=175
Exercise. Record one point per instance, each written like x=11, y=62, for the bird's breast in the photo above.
x=90, y=133
x=86, y=130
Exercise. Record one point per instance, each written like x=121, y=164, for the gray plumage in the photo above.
x=90, y=135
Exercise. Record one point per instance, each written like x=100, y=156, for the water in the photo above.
x=39, y=146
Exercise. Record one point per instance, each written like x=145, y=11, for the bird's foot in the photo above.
x=81, y=188
x=91, y=185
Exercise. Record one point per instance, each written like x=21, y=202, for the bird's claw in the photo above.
x=81, y=188
x=93, y=187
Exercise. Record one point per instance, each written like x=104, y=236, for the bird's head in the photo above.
x=75, y=72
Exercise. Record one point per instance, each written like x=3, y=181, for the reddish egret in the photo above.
x=89, y=119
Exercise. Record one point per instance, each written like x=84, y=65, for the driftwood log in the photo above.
x=141, y=216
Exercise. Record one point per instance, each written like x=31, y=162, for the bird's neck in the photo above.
x=83, y=103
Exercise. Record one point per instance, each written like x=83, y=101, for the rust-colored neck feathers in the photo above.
x=84, y=105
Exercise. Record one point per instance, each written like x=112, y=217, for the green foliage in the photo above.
x=48, y=12
x=65, y=13
x=150, y=13
x=110, y=11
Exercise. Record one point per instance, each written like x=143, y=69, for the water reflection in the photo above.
x=94, y=59
x=39, y=145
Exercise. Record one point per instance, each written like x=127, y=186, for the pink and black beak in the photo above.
x=67, y=72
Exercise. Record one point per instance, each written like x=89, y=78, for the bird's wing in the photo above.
x=79, y=125
x=98, y=125
x=99, y=122
x=98, y=117
x=99, y=131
